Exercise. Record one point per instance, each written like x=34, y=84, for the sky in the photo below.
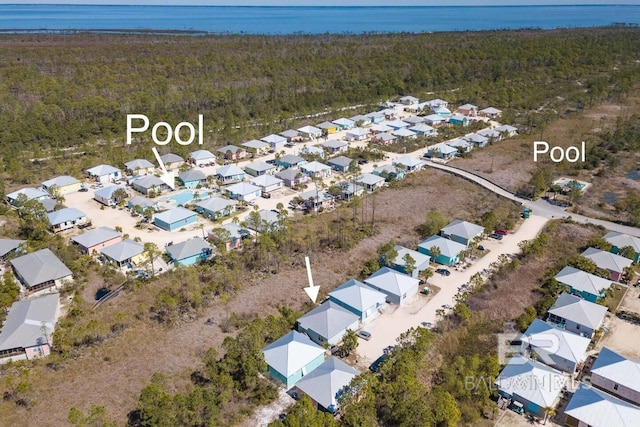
x=326, y=2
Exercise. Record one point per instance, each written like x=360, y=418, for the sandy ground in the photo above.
x=387, y=328
x=623, y=335
x=266, y=414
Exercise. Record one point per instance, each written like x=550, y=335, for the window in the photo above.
x=615, y=386
x=578, y=327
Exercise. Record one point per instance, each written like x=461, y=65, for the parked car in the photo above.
x=266, y=195
x=375, y=366
x=502, y=231
x=443, y=271
x=481, y=248
x=496, y=236
x=83, y=190
x=364, y=335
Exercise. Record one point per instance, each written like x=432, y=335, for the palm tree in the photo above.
x=549, y=412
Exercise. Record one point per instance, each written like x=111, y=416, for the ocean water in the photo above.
x=309, y=20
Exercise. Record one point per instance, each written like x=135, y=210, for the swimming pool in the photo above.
x=186, y=196
x=566, y=184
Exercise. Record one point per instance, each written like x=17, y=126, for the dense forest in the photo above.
x=63, y=91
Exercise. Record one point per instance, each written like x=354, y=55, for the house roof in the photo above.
x=30, y=193
x=582, y=281
x=326, y=125
x=326, y=383
x=291, y=159
x=579, y=310
x=409, y=98
x=436, y=102
x=385, y=137
x=477, y=138
x=60, y=181
x=414, y=120
x=607, y=260
x=229, y=170
x=358, y=295
x=369, y=179
x=328, y=319
x=396, y=124
x=141, y=201
x=174, y=215
x=434, y=118
x=243, y=188
x=265, y=180
x=404, y=133
x=321, y=195
x=40, y=267
x=506, y=128
x=8, y=245
x=64, y=215
x=464, y=229
x=387, y=169
x=290, y=133
x=418, y=257
x=490, y=110
x=447, y=247
x=468, y=107
x=531, y=380
x=422, y=127
x=334, y=144
x=259, y=166
x=148, y=181
x=459, y=143
x=309, y=130
x=618, y=368
x=229, y=148
x=235, y=231
x=192, y=175
x=171, y=158
x=188, y=248
x=139, y=164
x=290, y=353
x=360, y=118
x=48, y=204
x=123, y=250
x=446, y=149
x=288, y=174
x=107, y=192
x=344, y=122
x=95, y=237
x=441, y=110
x=381, y=127
x=23, y=327
x=312, y=150
x=351, y=188
x=202, y=155
x=215, y=204
x=621, y=240
x=274, y=139
x=567, y=345
x=489, y=133
x=315, y=166
x=341, y=161
x=102, y=170
x=391, y=281
x=599, y=409
x=408, y=161
x=255, y=144
x=268, y=216
x=359, y=131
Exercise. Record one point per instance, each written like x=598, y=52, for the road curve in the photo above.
x=539, y=207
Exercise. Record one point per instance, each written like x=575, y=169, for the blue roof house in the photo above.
x=358, y=298
x=449, y=249
x=291, y=357
x=174, y=219
x=189, y=252
x=421, y=261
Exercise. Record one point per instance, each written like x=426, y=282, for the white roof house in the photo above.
x=102, y=170
x=381, y=128
x=310, y=131
x=29, y=192
x=357, y=134
x=397, y=286
x=582, y=282
x=326, y=383
x=490, y=133
x=137, y=164
x=617, y=374
x=573, y=309
x=409, y=163
x=345, y=123
x=66, y=218
x=490, y=111
x=529, y=382
x=229, y=171
x=258, y=168
x=200, y=157
x=555, y=347
x=620, y=240
x=616, y=264
x=370, y=181
x=60, y=182
x=171, y=158
x=256, y=145
x=461, y=145
x=267, y=182
x=40, y=269
x=123, y=251
x=29, y=328
x=404, y=133
x=334, y=145
x=596, y=408
x=421, y=260
x=398, y=124
x=92, y=238
x=9, y=245
x=292, y=355
x=274, y=140
x=462, y=231
x=243, y=191
x=358, y=298
x=327, y=323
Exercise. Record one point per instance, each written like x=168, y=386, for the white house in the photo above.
x=104, y=173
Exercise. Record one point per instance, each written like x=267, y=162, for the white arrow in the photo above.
x=311, y=290
x=167, y=177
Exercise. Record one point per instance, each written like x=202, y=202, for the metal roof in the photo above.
x=8, y=245
x=621, y=240
x=404, y=133
x=192, y=175
x=358, y=131
x=579, y=310
x=95, y=237
x=607, y=260
x=266, y=180
x=25, y=321
x=358, y=295
x=60, y=181
x=418, y=257
x=188, y=248
x=254, y=143
x=243, y=188
x=136, y=164
x=328, y=319
x=202, y=155
x=369, y=179
x=599, y=409
x=617, y=368
x=274, y=139
x=102, y=170
x=290, y=353
x=314, y=166
x=408, y=161
x=148, y=181
x=229, y=170
x=29, y=192
x=259, y=166
x=40, y=267
x=123, y=250
x=447, y=247
x=174, y=215
x=107, y=192
x=64, y=215
x=467, y=230
x=327, y=382
x=392, y=282
x=232, y=148
x=340, y=161
x=333, y=143
x=582, y=281
x=171, y=158
x=569, y=346
x=216, y=204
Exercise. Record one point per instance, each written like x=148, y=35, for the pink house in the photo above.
x=95, y=240
x=236, y=235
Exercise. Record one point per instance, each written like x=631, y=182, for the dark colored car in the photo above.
x=443, y=271
x=496, y=236
x=375, y=366
x=481, y=248
x=502, y=231
x=83, y=190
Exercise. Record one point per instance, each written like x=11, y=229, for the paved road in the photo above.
x=540, y=207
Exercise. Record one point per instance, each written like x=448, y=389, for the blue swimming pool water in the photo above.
x=187, y=196
x=580, y=185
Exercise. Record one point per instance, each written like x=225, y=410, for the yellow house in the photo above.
x=125, y=252
x=328, y=127
x=257, y=148
x=62, y=185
